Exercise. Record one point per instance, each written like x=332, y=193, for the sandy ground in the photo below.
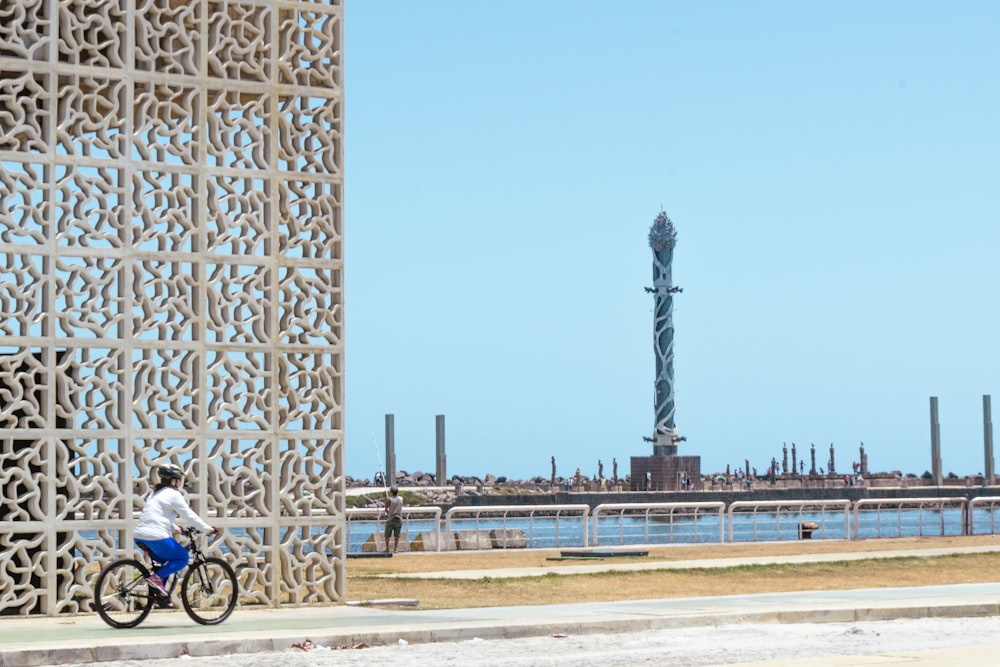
x=687, y=647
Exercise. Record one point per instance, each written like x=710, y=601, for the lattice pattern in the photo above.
x=171, y=284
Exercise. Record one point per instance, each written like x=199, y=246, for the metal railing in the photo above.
x=370, y=515
x=657, y=522
x=576, y=525
x=976, y=504
x=542, y=529
x=914, y=517
x=794, y=512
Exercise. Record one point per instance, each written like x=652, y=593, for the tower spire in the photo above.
x=663, y=239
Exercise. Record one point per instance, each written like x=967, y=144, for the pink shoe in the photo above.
x=158, y=585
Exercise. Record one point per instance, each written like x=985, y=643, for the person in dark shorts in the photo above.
x=393, y=518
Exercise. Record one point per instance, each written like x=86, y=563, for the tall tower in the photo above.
x=662, y=239
x=664, y=470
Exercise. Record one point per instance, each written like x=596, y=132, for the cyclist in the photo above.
x=156, y=525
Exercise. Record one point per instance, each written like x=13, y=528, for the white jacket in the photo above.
x=162, y=507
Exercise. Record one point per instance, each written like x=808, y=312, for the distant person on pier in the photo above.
x=393, y=518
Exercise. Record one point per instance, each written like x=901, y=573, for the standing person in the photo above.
x=156, y=526
x=393, y=518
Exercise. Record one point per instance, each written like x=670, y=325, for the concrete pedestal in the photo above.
x=664, y=473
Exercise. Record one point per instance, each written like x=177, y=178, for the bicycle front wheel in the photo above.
x=209, y=591
x=122, y=596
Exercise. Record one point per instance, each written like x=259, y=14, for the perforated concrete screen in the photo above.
x=171, y=287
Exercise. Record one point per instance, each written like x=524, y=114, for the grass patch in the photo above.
x=377, y=498
x=354, y=502
x=559, y=588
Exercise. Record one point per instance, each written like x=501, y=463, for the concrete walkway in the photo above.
x=32, y=642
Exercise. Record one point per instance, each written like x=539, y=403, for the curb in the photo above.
x=281, y=640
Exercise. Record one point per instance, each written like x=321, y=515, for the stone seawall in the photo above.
x=852, y=493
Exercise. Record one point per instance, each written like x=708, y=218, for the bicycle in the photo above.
x=209, y=589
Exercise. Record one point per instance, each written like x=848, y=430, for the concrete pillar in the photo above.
x=988, y=440
x=390, y=449
x=935, y=443
x=441, y=473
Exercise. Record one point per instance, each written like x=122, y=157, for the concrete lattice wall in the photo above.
x=171, y=287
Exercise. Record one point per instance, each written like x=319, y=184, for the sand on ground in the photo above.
x=791, y=644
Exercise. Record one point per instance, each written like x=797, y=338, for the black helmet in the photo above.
x=169, y=471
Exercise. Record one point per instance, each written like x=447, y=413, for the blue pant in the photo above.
x=171, y=553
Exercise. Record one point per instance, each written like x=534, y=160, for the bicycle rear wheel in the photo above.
x=209, y=591
x=122, y=596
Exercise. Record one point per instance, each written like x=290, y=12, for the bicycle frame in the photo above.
x=209, y=588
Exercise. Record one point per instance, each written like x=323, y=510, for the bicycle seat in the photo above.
x=142, y=546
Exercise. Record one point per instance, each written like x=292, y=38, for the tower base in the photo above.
x=666, y=473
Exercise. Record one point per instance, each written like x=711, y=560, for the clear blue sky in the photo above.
x=833, y=172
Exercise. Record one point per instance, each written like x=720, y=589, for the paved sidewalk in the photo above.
x=31, y=642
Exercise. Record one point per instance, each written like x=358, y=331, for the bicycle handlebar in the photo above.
x=191, y=531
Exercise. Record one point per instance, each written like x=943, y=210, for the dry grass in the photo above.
x=364, y=584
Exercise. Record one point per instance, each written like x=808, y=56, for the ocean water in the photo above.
x=568, y=532
x=761, y=526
